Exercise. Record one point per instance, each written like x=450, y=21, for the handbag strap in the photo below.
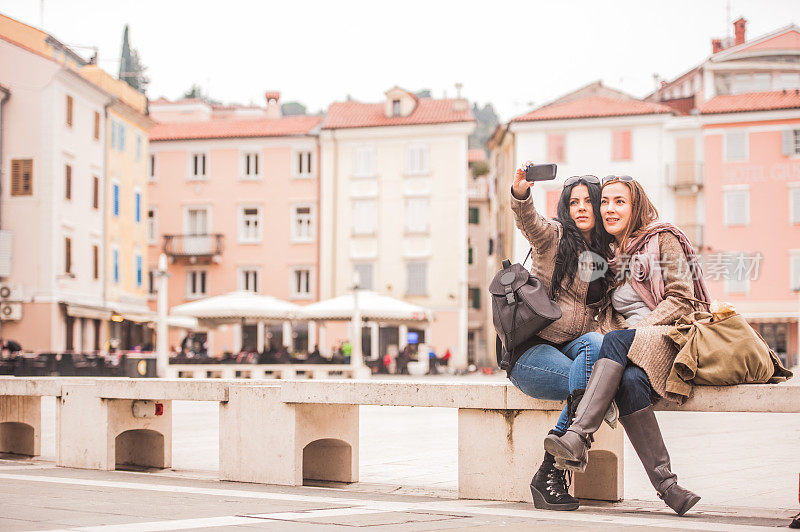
x=688, y=298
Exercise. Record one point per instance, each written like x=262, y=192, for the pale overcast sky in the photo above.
x=509, y=53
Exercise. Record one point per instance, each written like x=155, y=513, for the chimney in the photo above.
x=716, y=45
x=273, y=104
x=738, y=31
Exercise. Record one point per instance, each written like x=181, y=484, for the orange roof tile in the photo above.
x=592, y=107
x=476, y=154
x=753, y=101
x=232, y=128
x=428, y=111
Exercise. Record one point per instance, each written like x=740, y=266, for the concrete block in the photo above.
x=783, y=397
x=21, y=425
x=499, y=451
x=264, y=440
x=101, y=433
x=164, y=389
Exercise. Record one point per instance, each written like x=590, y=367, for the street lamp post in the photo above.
x=357, y=356
x=162, y=349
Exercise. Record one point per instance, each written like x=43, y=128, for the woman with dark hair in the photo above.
x=658, y=281
x=556, y=364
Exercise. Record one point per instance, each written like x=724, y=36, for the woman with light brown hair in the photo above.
x=657, y=282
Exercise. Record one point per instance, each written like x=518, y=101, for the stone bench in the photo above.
x=103, y=423
x=258, y=371
x=500, y=434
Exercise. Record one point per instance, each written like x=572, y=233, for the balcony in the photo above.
x=686, y=178
x=194, y=248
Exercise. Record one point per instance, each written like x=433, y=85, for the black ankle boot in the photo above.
x=550, y=488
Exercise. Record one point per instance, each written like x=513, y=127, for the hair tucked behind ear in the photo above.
x=572, y=243
x=643, y=212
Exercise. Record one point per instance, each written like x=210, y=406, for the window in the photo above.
x=740, y=268
x=365, y=217
x=197, y=169
x=69, y=110
x=741, y=83
x=301, y=283
x=364, y=161
x=416, y=278
x=250, y=166
x=138, y=270
x=794, y=270
x=470, y=258
x=151, y=282
x=96, y=125
x=790, y=142
x=196, y=283
x=67, y=255
x=366, y=279
x=794, y=203
x=722, y=83
x=302, y=225
x=118, y=135
x=137, y=207
x=138, y=147
x=248, y=280
x=303, y=164
x=115, y=198
x=417, y=215
x=556, y=151
x=95, y=262
x=736, y=207
x=395, y=107
x=475, y=298
x=152, y=226
x=622, y=146
x=762, y=82
x=788, y=81
x=736, y=145
x=95, y=192
x=115, y=265
x=67, y=182
x=474, y=213
x=417, y=157
x=22, y=177
x=151, y=171
x=249, y=224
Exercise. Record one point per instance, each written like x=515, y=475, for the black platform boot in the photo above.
x=550, y=487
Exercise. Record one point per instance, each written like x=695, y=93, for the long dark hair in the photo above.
x=572, y=242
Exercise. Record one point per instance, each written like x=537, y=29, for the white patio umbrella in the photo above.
x=371, y=305
x=236, y=307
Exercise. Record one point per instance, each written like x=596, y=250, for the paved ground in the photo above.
x=745, y=466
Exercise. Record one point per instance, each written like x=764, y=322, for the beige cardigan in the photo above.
x=652, y=349
x=544, y=236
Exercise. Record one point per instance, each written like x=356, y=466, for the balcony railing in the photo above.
x=193, y=246
x=685, y=176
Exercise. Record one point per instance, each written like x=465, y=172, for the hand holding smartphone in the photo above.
x=540, y=172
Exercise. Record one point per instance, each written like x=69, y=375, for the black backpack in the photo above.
x=521, y=308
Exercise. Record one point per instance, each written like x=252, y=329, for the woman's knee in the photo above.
x=616, y=345
x=634, y=390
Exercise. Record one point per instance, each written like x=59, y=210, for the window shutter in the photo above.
x=22, y=177
x=68, y=182
x=67, y=255
x=96, y=192
x=96, y=125
x=787, y=142
x=69, y=111
x=96, y=262
x=795, y=202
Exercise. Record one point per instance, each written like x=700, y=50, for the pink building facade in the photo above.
x=234, y=203
x=743, y=103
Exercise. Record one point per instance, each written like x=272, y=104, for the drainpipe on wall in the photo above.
x=4, y=95
x=103, y=202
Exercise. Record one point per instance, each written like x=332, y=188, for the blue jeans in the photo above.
x=633, y=393
x=544, y=372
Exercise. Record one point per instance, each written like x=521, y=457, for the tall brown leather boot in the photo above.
x=571, y=449
x=645, y=435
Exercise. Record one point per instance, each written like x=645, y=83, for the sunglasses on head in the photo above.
x=585, y=178
x=623, y=178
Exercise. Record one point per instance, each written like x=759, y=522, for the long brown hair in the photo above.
x=643, y=212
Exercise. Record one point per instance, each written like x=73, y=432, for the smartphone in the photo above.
x=541, y=172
